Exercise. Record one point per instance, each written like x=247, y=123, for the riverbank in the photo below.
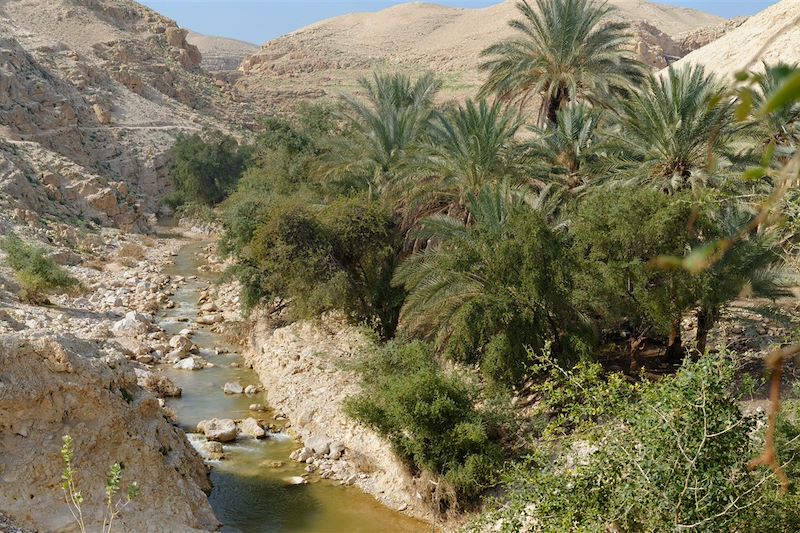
x=256, y=487
x=71, y=368
x=302, y=367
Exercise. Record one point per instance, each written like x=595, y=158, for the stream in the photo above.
x=249, y=493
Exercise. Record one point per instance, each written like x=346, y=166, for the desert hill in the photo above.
x=92, y=95
x=331, y=55
x=221, y=54
x=736, y=48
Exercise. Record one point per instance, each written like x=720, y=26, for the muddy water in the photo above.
x=249, y=493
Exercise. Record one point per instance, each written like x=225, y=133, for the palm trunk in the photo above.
x=704, y=323
x=674, y=353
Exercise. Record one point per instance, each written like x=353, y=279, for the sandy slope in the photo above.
x=330, y=55
x=734, y=50
x=221, y=53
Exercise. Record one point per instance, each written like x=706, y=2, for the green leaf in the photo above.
x=742, y=75
x=698, y=260
x=754, y=173
x=745, y=104
x=786, y=94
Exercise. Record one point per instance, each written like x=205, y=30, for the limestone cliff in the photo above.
x=52, y=386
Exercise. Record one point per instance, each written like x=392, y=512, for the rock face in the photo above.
x=51, y=387
x=92, y=94
x=731, y=52
x=324, y=58
x=299, y=366
x=219, y=53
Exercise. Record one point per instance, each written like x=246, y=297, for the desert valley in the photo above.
x=526, y=267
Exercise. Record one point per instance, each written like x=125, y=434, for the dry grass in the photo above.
x=131, y=251
x=161, y=386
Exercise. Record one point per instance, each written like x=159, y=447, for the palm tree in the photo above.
x=568, y=152
x=382, y=132
x=673, y=133
x=469, y=147
x=566, y=50
x=499, y=286
x=783, y=125
x=752, y=266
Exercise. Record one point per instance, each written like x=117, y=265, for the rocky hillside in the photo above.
x=221, y=54
x=330, y=56
x=776, y=29
x=92, y=93
x=75, y=368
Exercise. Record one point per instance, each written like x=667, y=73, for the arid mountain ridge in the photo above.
x=328, y=57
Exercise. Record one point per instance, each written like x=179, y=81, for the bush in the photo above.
x=205, y=168
x=674, y=460
x=319, y=258
x=429, y=419
x=493, y=291
x=36, y=273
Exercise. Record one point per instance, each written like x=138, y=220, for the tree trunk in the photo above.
x=635, y=347
x=704, y=323
x=674, y=352
x=555, y=103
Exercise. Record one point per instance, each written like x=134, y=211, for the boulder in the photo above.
x=218, y=429
x=212, y=450
x=191, y=363
x=319, y=445
x=181, y=345
x=251, y=428
x=257, y=407
x=336, y=450
x=233, y=387
x=132, y=325
x=250, y=390
x=295, y=480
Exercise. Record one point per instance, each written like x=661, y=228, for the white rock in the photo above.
x=212, y=450
x=181, y=346
x=191, y=363
x=336, y=450
x=257, y=407
x=251, y=428
x=250, y=390
x=233, y=387
x=295, y=480
x=219, y=429
x=319, y=445
x=133, y=324
x=209, y=307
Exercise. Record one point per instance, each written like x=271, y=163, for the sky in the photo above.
x=258, y=21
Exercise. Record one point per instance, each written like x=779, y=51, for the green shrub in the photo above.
x=205, y=168
x=320, y=258
x=674, y=460
x=36, y=273
x=495, y=290
x=428, y=417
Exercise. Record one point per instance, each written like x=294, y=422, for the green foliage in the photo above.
x=675, y=459
x=566, y=50
x=577, y=399
x=616, y=235
x=428, y=417
x=319, y=258
x=75, y=500
x=675, y=133
x=381, y=133
x=492, y=290
x=36, y=273
x=205, y=168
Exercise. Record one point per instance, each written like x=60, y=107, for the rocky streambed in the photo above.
x=257, y=486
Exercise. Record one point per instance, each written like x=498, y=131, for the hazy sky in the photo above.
x=257, y=21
